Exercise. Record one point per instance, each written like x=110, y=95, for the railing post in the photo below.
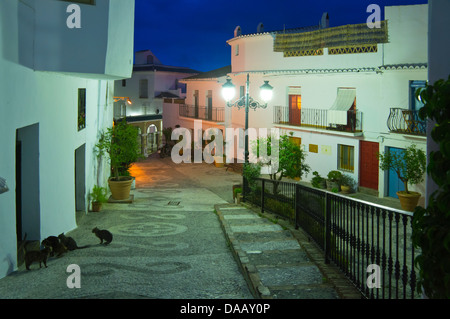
x=262, y=195
x=327, y=228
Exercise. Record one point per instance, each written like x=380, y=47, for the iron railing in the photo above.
x=317, y=118
x=406, y=121
x=215, y=114
x=353, y=234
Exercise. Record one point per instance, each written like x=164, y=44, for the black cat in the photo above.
x=103, y=235
x=70, y=243
x=40, y=256
x=56, y=246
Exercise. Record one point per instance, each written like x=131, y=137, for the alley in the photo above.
x=167, y=244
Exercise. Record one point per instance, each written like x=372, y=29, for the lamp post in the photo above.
x=247, y=102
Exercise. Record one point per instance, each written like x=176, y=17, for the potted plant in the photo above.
x=333, y=180
x=318, y=181
x=347, y=184
x=237, y=195
x=410, y=166
x=98, y=196
x=121, y=144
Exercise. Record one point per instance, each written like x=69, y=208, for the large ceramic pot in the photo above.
x=408, y=201
x=120, y=189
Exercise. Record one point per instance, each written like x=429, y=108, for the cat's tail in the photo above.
x=82, y=247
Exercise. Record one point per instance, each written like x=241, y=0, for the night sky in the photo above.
x=193, y=33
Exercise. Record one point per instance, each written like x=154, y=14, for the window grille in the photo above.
x=3, y=187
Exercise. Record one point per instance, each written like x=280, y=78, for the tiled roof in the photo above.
x=164, y=68
x=211, y=74
x=404, y=66
x=166, y=95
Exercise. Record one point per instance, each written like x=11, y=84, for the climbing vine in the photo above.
x=431, y=225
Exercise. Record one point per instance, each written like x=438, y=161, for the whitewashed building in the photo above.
x=203, y=102
x=57, y=70
x=344, y=99
x=140, y=98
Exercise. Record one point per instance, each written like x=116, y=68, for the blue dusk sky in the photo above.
x=193, y=33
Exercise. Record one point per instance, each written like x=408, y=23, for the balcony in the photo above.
x=406, y=121
x=214, y=114
x=343, y=121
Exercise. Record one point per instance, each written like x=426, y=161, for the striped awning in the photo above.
x=344, y=101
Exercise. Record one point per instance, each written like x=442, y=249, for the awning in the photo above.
x=344, y=101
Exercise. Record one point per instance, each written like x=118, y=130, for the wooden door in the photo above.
x=295, y=107
x=368, y=164
x=394, y=183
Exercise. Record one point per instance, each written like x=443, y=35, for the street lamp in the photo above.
x=247, y=102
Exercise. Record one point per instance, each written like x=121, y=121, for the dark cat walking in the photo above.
x=56, y=246
x=70, y=243
x=40, y=256
x=103, y=235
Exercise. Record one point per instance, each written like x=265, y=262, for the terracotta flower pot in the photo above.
x=345, y=189
x=408, y=201
x=120, y=189
x=96, y=206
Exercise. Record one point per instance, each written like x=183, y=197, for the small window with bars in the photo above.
x=346, y=157
x=81, y=109
x=143, y=89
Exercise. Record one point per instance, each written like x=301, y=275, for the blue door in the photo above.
x=394, y=183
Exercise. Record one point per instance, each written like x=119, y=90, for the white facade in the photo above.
x=381, y=79
x=40, y=86
x=149, y=84
x=202, y=90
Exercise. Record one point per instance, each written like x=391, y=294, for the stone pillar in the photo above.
x=144, y=144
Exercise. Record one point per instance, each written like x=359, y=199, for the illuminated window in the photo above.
x=346, y=157
x=81, y=109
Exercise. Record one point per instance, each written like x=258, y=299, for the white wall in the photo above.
x=158, y=81
x=102, y=46
x=408, y=27
x=438, y=61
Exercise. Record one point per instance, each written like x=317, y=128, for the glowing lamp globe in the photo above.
x=228, y=91
x=266, y=92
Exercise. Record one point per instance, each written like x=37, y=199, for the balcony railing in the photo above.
x=318, y=119
x=406, y=121
x=214, y=114
x=353, y=234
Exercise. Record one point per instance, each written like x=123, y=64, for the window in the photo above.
x=346, y=157
x=241, y=91
x=124, y=83
x=81, y=109
x=143, y=89
x=236, y=49
x=414, y=86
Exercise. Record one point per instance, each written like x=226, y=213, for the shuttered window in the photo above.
x=346, y=155
x=143, y=89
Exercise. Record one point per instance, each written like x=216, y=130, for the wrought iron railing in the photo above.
x=317, y=118
x=353, y=234
x=215, y=114
x=406, y=121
